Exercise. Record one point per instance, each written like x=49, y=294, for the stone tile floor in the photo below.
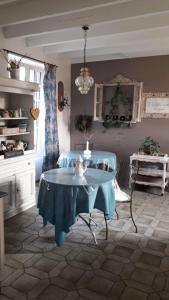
x=128, y=266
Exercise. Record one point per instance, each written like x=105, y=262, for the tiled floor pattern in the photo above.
x=128, y=266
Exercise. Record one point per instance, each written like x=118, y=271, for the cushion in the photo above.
x=120, y=196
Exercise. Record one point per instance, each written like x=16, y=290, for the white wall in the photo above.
x=63, y=74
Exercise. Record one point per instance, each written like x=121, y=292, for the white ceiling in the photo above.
x=3, y=2
x=117, y=29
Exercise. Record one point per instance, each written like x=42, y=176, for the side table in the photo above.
x=152, y=170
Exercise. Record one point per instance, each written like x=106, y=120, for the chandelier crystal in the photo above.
x=84, y=82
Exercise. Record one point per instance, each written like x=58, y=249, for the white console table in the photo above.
x=149, y=173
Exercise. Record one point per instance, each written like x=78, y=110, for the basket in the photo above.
x=6, y=130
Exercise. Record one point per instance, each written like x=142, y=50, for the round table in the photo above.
x=63, y=196
x=66, y=176
x=97, y=159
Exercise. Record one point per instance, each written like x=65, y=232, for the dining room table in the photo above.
x=63, y=196
x=97, y=159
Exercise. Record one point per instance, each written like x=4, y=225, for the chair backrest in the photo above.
x=120, y=195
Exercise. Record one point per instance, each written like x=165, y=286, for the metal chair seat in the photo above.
x=121, y=196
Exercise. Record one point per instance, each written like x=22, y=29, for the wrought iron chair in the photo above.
x=123, y=197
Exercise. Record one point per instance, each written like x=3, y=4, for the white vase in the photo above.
x=14, y=73
x=87, y=152
x=79, y=168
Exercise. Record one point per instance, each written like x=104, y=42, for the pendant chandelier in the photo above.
x=84, y=82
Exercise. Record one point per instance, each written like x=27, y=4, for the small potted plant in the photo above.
x=13, y=68
x=150, y=146
x=13, y=65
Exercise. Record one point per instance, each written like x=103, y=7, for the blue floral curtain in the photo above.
x=51, y=129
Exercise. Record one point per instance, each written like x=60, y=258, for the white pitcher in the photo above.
x=79, y=168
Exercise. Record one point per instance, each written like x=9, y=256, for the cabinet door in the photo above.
x=7, y=184
x=25, y=187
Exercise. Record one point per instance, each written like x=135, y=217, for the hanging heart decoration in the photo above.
x=35, y=113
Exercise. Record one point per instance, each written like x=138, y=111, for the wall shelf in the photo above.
x=19, y=118
x=14, y=134
x=9, y=85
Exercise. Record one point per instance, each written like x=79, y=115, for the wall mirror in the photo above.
x=60, y=95
x=62, y=100
x=118, y=102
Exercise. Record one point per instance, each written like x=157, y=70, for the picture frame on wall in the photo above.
x=155, y=105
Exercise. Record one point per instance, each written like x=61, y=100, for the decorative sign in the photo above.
x=156, y=105
x=35, y=113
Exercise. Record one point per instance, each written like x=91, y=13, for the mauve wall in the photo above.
x=154, y=73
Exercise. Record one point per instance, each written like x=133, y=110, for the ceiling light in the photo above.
x=84, y=82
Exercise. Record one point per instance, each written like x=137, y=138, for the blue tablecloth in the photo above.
x=62, y=196
x=67, y=159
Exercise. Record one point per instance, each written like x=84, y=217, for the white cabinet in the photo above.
x=7, y=185
x=17, y=174
x=25, y=188
x=17, y=179
x=152, y=170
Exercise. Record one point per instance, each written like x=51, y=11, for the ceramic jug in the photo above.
x=79, y=168
x=21, y=145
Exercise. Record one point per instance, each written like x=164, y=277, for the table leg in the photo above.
x=59, y=237
x=2, y=242
x=44, y=221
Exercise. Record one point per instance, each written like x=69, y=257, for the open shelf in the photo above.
x=19, y=118
x=12, y=134
x=152, y=170
x=17, y=86
x=148, y=180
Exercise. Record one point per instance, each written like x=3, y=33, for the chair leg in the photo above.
x=106, y=226
x=90, y=218
x=89, y=226
x=131, y=213
x=117, y=215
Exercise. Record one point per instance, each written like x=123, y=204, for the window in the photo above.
x=118, y=101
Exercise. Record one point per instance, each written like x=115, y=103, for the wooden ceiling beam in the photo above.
x=100, y=29
x=117, y=10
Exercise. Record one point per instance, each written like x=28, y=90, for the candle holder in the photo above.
x=87, y=135
x=87, y=152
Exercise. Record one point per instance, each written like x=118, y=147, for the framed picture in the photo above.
x=155, y=105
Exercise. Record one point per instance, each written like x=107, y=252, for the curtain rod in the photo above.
x=25, y=56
